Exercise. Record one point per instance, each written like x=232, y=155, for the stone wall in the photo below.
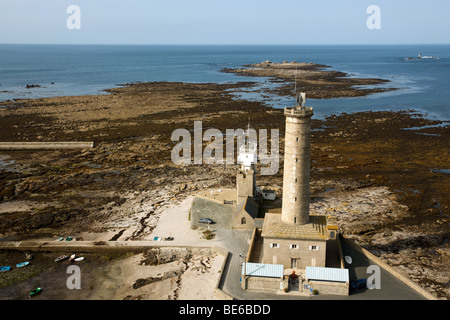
x=237, y=221
x=333, y=288
x=262, y=284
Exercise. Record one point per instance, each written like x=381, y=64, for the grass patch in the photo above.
x=208, y=235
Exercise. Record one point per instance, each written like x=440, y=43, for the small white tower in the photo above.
x=248, y=156
x=245, y=179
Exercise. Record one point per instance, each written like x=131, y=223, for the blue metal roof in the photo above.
x=327, y=274
x=263, y=270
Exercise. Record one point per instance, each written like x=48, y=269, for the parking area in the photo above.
x=391, y=287
x=208, y=209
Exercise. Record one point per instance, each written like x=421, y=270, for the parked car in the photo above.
x=359, y=284
x=206, y=220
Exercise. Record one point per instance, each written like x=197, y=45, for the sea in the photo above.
x=64, y=70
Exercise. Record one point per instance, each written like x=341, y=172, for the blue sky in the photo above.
x=225, y=22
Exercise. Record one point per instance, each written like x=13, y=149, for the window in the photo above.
x=243, y=220
x=332, y=235
x=274, y=245
x=293, y=263
x=293, y=246
x=313, y=247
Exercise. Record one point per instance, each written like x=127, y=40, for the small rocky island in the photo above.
x=319, y=81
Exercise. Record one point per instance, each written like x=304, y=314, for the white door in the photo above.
x=274, y=260
x=313, y=262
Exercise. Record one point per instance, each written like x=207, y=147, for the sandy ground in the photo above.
x=191, y=278
x=174, y=222
x=184, y=279
x=186, y=274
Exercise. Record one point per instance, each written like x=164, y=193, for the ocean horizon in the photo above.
x=51, y=70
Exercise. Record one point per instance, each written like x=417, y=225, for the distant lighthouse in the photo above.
x=297, y=158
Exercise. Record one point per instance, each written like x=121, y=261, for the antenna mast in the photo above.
x=295, y=79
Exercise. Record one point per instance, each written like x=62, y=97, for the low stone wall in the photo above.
x=262, y=284
x=45, y=145
x=332, y=288
x=218, y=292
x=252, y=243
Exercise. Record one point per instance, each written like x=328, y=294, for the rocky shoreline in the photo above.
x=383, y=164
x=317, y=80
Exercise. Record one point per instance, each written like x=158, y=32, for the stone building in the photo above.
x=294, y=246
x=262, y=277
x=293, y=238
x=245, y=214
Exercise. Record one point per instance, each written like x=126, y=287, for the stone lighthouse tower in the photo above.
x=294, y=228
x=297, y=158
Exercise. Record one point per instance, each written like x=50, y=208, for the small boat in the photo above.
x=35, y=291
x=29, y=256
x=22, y=264
x=72, y=257
x=348, y=259
x=5, y=268
x=69, y=239
x=79, y=259
x=60, y=239
x=61, y=258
